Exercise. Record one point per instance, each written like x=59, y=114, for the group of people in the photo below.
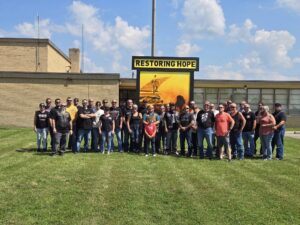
x=229, y=130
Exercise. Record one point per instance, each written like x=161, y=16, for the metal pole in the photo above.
x=153, y=27
x=82, y=49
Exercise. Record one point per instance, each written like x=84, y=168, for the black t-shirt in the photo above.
x=62, y=121
x=172, y=120
x=143, y=110
x=205, y=119
x=127, y=113
x=279, y=116
x=53, y=112
x=116, y=114
x=185, y=119
x=161, y=121
x=41, y=119
x=84, y=123
x=250, y=118
x=107, y=123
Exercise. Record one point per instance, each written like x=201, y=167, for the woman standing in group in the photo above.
x=106, y=129
x=134, y=125
x=267, y=122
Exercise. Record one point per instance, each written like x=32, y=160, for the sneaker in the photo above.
x=108, y=153
x=154, y=155
x=102, y=152
x=146, y=155
x=53, y=154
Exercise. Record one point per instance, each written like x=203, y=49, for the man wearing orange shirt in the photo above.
x=223, y=125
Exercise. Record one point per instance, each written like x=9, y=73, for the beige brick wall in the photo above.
x=56, y=62
x=20, y=96
x=22, y=57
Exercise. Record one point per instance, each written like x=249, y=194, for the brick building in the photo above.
x=36, y=55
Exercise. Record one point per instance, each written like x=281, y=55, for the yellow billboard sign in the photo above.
x=163, y=87
x=165, y=63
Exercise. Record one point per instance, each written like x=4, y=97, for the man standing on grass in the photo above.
x=126, y=114
x=205, y=123
x=236, y=140
x=223, y=125
x=72, y=110
x=52, y=114
x=41, y=125
x=116, y=114
x=62, y=125
x=249, y=131
x=84, y=125
x=186, y=121
x=171, y=120
x=279, y=131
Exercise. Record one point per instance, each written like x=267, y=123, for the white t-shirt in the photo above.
x=96, y=122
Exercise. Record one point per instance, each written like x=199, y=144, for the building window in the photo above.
x=225, y=94
x=253, y=98
x=212, y=95
x=199, y=96
x=294, y=107
x=281, y=96
x=128, y=94
x=239, y=95
x=267, y=97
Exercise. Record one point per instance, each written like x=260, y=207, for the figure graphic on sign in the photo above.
x=155, y=84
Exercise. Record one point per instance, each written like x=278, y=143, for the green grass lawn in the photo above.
x=132, y=189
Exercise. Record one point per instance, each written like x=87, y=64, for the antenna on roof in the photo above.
x=38, y=45
x=82, y=49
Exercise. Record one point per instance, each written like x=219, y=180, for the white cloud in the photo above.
x=270, y=48
x=203, y=18
x=293, y=5
x=243, y=33
x=273, y=47
x=91, y=67
x=220, y=72
x=186, y=49
x=31, y=29
x=111, y=40
x=129, y=37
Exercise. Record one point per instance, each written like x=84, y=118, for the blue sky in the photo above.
x=247, y=39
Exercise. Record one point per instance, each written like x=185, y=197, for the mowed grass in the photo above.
x=132, y=189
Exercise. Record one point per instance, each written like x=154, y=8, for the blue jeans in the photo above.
x=172, y=136
x=41, y=138
x=118, y=134
x=266, y=143
x=106, y=138
x=207, y=134
x=249, y=146
x=185, y=135
x=236, y=143
x=134, y=140
x=147, y=143
x=86, y=134
x=278, y=141
x=95, y=139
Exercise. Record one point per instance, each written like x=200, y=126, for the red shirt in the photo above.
x=222, y=123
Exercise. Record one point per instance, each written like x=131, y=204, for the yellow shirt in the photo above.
x=73, y=111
